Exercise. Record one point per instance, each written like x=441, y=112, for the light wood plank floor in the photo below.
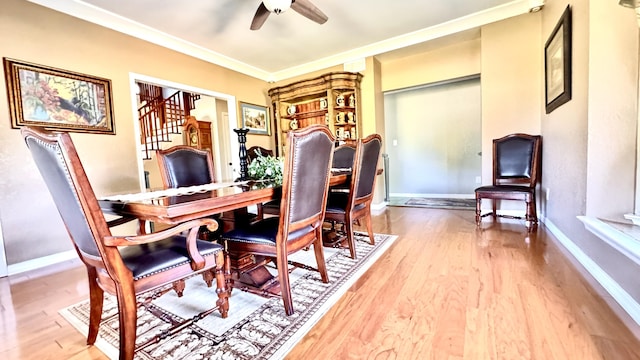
x=443, y=291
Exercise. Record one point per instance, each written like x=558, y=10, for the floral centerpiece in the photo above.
x=266, y=168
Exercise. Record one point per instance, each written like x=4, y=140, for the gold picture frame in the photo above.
x=255, y=118
x=58, y=99
x=557, y=64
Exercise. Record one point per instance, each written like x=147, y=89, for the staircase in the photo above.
x=161, y=117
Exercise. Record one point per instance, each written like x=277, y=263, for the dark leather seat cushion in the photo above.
x=261, y=232
x=148, y=259
x=271, y=207
x=337, y=203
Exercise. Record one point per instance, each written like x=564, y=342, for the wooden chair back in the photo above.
x=255, y=151
x=516, y=160
x=343, y=156
x=363, y=173
x=307, y=169
x=58, y=162
x=182, y=166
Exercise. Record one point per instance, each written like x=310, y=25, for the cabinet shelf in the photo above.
x=305, y=115
x=315, y=101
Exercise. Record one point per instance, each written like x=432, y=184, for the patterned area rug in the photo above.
x=444, y=203
x=257, y=328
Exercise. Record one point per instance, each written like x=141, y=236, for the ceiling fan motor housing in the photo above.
x=277, y=6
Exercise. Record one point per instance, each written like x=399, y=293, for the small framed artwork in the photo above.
x=58, y=99
x=557, y=64
x=255, y=118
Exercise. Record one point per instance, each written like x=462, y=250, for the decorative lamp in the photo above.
x=277, y=6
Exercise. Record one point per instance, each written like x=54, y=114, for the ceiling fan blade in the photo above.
x=260, y=17
x=310, y=11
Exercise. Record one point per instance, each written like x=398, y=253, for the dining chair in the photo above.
x=347, y=207
x=342, y=159
x=516, y=173
x=343, y=156
x=123, y=266
x=303, y=201
x=255, y=151
x=183, y=166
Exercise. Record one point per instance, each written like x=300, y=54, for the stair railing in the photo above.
x=159, y=119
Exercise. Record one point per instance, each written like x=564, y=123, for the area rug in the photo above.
x=256, y=328
x=442, y=203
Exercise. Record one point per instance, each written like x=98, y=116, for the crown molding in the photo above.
x=471, y=21
x=93, y=14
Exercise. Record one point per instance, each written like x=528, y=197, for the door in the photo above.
x=434, y=139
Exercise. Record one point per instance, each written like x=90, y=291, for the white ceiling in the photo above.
x=289, y=44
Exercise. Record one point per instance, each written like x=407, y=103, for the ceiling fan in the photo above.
x=303, y=7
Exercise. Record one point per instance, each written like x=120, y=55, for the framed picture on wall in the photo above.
x=255, y=118
x=557, y=64
x=58, y=99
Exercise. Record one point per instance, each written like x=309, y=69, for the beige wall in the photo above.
x=373, y=114
x=565, y=129
x=613, y=65
x=590, y=142
x=447, y=63
x=32, y=33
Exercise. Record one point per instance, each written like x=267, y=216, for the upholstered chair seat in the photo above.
x=149, y=259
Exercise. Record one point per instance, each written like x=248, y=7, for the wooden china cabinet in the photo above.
x=197, y=134
x=332, y=99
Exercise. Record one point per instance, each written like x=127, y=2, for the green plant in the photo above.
x=266, y=168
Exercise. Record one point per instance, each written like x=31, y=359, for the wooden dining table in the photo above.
x=175, y=206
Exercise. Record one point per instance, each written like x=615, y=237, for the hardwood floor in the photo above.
x=443, y=291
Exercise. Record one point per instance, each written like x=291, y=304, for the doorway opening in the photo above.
x=434, y=141
x=217, y=108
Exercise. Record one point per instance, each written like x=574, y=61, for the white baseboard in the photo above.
x=434, y=196
x=614, y=289
x=34, y=264
x=377, y=208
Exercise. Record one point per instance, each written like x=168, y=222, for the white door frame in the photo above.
x=231, y=109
